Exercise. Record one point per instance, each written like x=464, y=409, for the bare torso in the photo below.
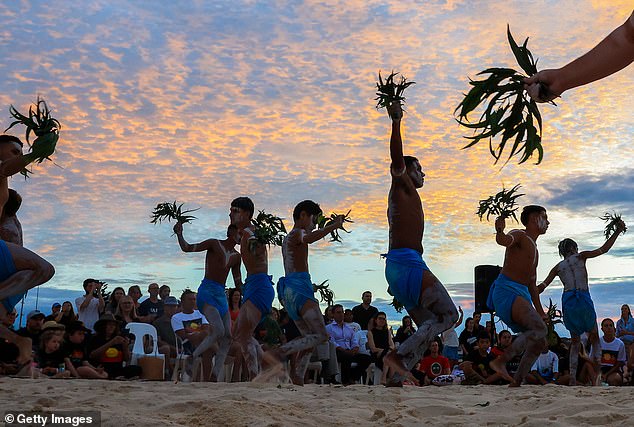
x=4, y=192
x=405, y=215
x=255, y=261
x=295, y=252
x=573, y=273
x=11, y=230
x=219, y=260
x=520, y=259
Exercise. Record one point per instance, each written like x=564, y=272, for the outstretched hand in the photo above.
x=500, y=224
x=542, y=86
x=620, y=226
x=395, y=110
x=338, y=221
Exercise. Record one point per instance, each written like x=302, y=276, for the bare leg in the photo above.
x=574, y=359
x=220, y=334
x=532, y=341
x=593, y=338
x=246, y=323
x=435, y=314
x=32, y=270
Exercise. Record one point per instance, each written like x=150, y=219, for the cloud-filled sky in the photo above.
x=204, y=101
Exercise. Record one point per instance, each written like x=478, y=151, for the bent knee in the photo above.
x=45, y=270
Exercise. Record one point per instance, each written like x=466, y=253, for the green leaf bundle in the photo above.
x=509, y=113
x=390, y=91
x=46, y=129
x=171, y=211
x=269, y=229
x=324, y=221
x=325, y=293
x=612, y=220
x=502, y=204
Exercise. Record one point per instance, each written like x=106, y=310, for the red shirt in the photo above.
x=434, y=366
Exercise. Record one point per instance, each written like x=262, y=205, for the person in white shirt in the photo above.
x=347, y=347
x=192, y=327
x=545, y=370
x=348, y=318
x=450, y=341
x=91, y=305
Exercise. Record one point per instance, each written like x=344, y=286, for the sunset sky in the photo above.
x=204, y=101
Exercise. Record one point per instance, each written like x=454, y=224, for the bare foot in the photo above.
x=499, y=366
x=394, y=361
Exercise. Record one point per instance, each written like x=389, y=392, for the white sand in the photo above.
x=145, y=403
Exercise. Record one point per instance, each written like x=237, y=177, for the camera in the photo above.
x=95, y=293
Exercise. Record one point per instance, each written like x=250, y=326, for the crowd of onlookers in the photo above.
x=91, y=339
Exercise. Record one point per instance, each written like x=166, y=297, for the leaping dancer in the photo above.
x=577, y=306
x=221, y=258
x=410, y=280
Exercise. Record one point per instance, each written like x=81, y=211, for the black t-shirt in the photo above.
x=481, y=363
x=402, y=335
x=50, y=360
x=468, y=339
x=77, y=353
x=9, y=352
x=149, y=307
x=363, y=316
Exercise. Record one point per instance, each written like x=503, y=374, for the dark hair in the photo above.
x=607, y=319
x=230, y=229
x=629, y=312
x=231, y=292
x=366, y=292
x=12, y=204
x=88, y=281
x=186, y=292
x=243, y=203
x=163, y=287
x=71, y=314
x=347, y=310
x=484, y=335
x=308, y=206
x=334, y=307
x=528, y=211
x=135, y=287
x=567, y=246
x=505, y=331
x=409, y=160
x=10, y=139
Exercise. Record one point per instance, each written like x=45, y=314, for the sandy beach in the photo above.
x=144, y=403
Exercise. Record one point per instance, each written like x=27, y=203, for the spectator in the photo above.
x=347, y=348
x=349, y=319
x=65, y=315
x=468, y=337
x=328, y=318
x=75, y=349
x=9, y=352
x=113, y=302
x=625, y=326
x=490, y=328
x=505, y=339
x=405, y=331
x=126, y=312
x=612, y=354
x=152, y=308
x=9, y=320
x=164, y=292
x=33, y=328
x=380, y=342
x=164, y=330
x=235, y=301
x=191, y=326
x=432, y=365
x=477, y=316
x=56, y=309
x=268, y=332
x=364, y=312
x=134, y=291
x=545, y=370
x=450, y=341
x=50, y=356
x=111, y=350
x=91, y=304
x=477, y=367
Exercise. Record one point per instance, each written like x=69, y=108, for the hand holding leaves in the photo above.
x=269, y=229
x=390, y=94
x=325, y=293
x=334, y=219
x=614, y=223
x=171, y=211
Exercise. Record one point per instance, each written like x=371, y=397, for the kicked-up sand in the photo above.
x=147, y=403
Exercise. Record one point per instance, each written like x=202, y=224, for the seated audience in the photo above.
x=406, y=330
x=612, y=354
x=110, y=350
x=347, y=348
x=152, y=308
x=432, y=365
x=545, y=370
x=476, y=366
x=75, y=350
x=380, y=342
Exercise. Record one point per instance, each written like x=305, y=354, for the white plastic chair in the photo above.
x=140, y=331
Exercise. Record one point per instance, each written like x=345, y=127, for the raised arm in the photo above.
x=607, y=245
x=502, y=238
x=319, y=234
x=16, y=164
x=459, y=322
x=189, y=247
x=396, y=144
x=612, y=54
x=548, y=280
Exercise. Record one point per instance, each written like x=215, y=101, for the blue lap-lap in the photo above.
x=293, y=291
x=212, y=293
x=7, y=269
x=404, y=274
x=502, y=296
x=258, y=288
x=578, y=311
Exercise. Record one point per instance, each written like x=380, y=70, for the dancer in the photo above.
x=511, y=293
x=221, y=257
x=20, y=269
x=258, y=287
x=410, y=280
x=577, y=306
x=612, y=54
x=295, y=290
